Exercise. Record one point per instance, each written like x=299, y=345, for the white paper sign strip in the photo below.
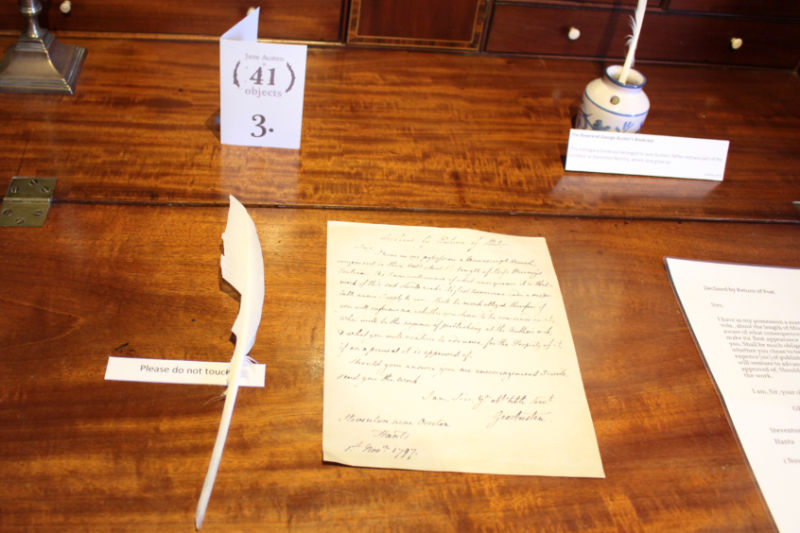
x=646, y=155
x=180, y=372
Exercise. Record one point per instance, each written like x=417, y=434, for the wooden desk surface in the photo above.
x=81, y=453
x=398, y=130
x=419, y=138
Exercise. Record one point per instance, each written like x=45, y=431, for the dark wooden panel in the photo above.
x=779, y=8
x=310, y=20
x=79, y=453
x=437, y=23
x=665, y=37
x=398, y=130
x=573, y=3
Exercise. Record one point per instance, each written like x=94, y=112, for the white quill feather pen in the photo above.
x=636, y=27
x=243, y=267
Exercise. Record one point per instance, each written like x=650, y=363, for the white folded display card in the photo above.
x=646, y=155
x=261, y=88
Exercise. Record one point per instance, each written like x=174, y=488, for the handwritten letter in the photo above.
x=449, y=350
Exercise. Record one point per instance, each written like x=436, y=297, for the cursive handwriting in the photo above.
x=432, y=335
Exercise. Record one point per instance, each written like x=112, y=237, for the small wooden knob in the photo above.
x=65, y=7
x=736, y=43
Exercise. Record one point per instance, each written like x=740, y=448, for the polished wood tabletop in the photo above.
x=79, y=453
x=127, y=264
x=398, y=130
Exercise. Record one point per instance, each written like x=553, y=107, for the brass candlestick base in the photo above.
x=38, y=63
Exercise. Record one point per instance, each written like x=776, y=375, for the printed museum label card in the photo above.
x=449, y=350
x=746, y=320
x=261, y=88
x=181, y=372
x=646, y=155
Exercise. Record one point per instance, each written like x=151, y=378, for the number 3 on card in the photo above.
x=259, y=125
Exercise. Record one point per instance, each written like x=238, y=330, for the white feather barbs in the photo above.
x=243, y=267
x=633, y=40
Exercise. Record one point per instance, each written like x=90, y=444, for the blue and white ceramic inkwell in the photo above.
x=611, y=105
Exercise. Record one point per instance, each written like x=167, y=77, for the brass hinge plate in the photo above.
x=27, y=201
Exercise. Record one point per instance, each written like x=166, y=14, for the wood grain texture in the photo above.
x=78, y=453
x=308, y=20
x=417, y=23
x=399, y=130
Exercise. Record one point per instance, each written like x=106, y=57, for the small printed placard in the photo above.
x=181, y=372
x=261, y=88
x=646, y=155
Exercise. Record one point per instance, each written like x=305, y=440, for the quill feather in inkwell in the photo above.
x=633, y=40
x=243, y=267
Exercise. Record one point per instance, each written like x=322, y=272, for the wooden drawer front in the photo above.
x=775, y=8
x=665, y=37
x=305, y=20
x=609, y=3
x=456, y=24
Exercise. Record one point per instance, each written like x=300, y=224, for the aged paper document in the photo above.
x=450, y=350
x=746, y=320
